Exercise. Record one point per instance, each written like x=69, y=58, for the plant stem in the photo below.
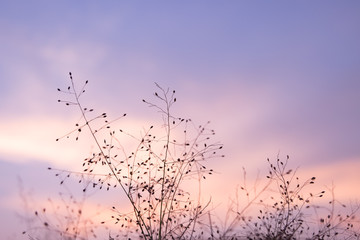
x=138, y=216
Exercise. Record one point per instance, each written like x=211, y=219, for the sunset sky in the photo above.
x=273, y=77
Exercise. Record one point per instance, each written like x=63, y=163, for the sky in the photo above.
x=274, y=78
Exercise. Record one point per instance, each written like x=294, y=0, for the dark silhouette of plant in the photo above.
x=153, y=175
x=160, y=173
x=286, y=210
x=336, y=220
x=284, y=217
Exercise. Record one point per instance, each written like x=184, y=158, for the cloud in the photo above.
x=34, y=138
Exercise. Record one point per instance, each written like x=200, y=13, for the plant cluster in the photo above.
x=161, y=174
x=154, y=173
x=65, y=217
x=286, y=209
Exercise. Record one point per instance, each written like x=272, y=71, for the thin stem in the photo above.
x=162, y=214
x=138, y=216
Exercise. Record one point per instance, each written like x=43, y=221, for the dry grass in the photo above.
x=154, y=174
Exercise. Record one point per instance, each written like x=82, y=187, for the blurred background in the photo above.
x=274, y=78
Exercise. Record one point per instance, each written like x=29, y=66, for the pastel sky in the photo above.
x=272, y=77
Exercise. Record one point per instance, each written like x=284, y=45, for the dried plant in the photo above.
x=60, y=218
x=287, y=210
x=160, y=173
x=154, y=174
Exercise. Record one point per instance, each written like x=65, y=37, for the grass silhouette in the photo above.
x=155, y=175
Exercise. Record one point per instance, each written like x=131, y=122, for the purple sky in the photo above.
x=271, y=76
